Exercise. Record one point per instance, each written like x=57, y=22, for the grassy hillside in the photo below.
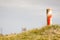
x=46, y=33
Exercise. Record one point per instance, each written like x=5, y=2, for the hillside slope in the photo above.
x=45, y=33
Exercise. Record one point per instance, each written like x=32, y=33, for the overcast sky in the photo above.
x=29, y=13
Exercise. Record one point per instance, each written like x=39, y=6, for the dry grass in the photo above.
x=46, y=33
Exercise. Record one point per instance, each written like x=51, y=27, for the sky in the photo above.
x=15, y=14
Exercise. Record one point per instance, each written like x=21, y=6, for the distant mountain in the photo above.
x=45, y=33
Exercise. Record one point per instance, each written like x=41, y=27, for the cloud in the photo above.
x=28, y=12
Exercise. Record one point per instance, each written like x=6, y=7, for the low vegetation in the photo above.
x=45, y=33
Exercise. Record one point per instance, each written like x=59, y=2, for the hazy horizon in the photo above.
x=29, y=13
